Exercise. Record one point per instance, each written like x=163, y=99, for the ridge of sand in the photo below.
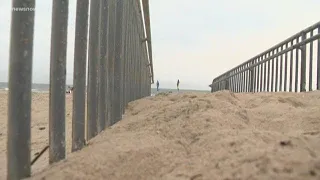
x=201, y=136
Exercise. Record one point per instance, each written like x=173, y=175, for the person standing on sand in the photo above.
x=178, y=82
x=70, y=89
x=158, y=85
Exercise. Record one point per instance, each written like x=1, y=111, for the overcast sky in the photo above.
x=194, y=41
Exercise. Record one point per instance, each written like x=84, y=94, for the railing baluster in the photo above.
x=311, y=63
x=272, y=72
x=261, y=76
x=268, y=83
x=277, y=72
x=303, y=78
x=102, y=109
x=79, y=75
x=291, y=69
x=252, y=77
x=93, y=58
x=265, y=74
x=296, y=69
x=285, y=69
x=19, y=96
x=318, y=62
x=57, y=99
x=111, y=60
x=281, y=71
x=117, y=62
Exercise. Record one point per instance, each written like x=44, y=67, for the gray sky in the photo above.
x=194, y=42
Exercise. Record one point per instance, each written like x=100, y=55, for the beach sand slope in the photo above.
x=197, y=136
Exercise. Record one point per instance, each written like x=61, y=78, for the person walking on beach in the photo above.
x=158, y=85
x=178, y=82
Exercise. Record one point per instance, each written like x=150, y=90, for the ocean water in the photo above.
x=35, y=87
x=45, y=88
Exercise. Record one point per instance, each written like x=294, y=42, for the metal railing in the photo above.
x=120, y=70
x=284, y=67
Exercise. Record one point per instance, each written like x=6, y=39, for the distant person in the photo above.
x=158, y=85
x=70, y=89
x=178, y=83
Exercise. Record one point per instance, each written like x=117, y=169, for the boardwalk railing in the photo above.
x=292, y=65
x=120, y=70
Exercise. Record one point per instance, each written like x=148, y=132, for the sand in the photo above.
x=192, y=136
x=39, y=129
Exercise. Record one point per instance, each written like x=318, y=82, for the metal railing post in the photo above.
x=268, y=73
x=318, y=62
x=258, y=76
x=139, y=50
x=297, y=69
x=79, y=75
x=122, y=57
x=286, y=69
x=249, y=74
x=227, y=81
x=131, y=68
x=102, y=109
x=57, y=116
x=111, y=54
x=252, y=77
x=311, y=63
x=129, y=63
x=281, y=71
x=242, y=82
x=125, y=54
x=272, y=72
x=118, y=59
x=277, y=72
x=230, y=82
x=265, y=74
x=93, y=58
x=291, y=70
x=135, y=50
x=20, y=81
x=108, y=75
x=303, y=72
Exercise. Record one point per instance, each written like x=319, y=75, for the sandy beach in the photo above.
x=39, y=129
x=220, y=136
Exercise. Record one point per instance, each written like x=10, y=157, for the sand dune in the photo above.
x=193, y=136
